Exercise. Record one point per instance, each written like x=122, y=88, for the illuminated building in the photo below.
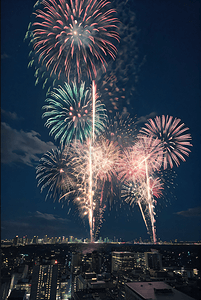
x=75, y=261
x=71, y=239
x=44, y=282
x=87, y=263
x=139, y=261
x=157, y=290
x=23, y=285
x=153, y=260
x=122, y=261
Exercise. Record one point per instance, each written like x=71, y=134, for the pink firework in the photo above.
x=173, y=137
x=129, y=165
x=146, y=153
x=151, y=152
x=105, y=157
x=74, y=36
x=156, y=187
x=136, y=167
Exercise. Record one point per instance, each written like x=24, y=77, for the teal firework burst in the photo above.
x=69, y=111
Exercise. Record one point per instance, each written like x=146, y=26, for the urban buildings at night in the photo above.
x=44, y=282
x=51, y=268
x=122, y=261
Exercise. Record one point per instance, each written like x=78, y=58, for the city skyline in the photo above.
x=162, y=78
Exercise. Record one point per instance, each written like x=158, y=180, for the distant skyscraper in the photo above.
x=153, y=260
x=45, y=239
x=122, y=261
x=16, y=240
x=71, y=239
x=44, y=282
x=35, y=240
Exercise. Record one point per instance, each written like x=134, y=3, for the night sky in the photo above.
x=158, y=65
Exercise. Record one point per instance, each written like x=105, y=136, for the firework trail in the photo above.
x=152, y=151
x=55, y=173
x=137, y=193
x=73, y=37
x=172, y=134
x=70, y=113
x=95, y=165
x=136, y=166
x=132, y=165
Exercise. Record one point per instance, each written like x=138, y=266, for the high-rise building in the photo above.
x=139, y=261
x=16, y=240
x=35, y=240
x=45, y=239
x=44, y=282
x=75, y=261
x=96, y=261
x=153, y=260
x=122, y=261
x=71, y=239
x=87, y=263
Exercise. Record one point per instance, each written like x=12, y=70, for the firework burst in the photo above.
x=144, y=193
x=172, y=134
x=102, y=158
x=147, y=152
x=94, y=167
x=54, y=172
x=121, y=129
x=70, y=113
x=73, y=37
x=134, y=192
x=136, y=167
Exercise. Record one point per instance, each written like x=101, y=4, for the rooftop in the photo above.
x=156, y=290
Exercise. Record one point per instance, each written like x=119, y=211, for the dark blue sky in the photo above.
x=158, y=65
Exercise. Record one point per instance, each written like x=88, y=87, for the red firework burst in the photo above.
x=156, y=186
x=129, y=166
x=74, y=35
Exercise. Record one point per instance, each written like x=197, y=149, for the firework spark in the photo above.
x=172, y=134
x=70, y=113
x=121, y=129
x=73, y=36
